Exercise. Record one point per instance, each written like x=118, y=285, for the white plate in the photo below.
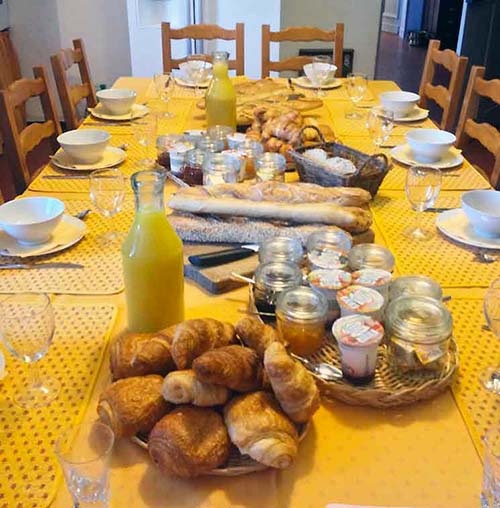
x=137, y=111
x=189, y=84
x=404, y=155
x=69, y=231
x=454, y=223
x=111, y=157
x=303, y=82
x=415, y=115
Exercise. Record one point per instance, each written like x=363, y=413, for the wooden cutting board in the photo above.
x=217, y=279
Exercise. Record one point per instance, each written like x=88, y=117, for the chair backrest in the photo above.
x=71, y=95
x=468, y=127
x=203, y=32
x=447, y=98
x=19, y=143
x=300, y=34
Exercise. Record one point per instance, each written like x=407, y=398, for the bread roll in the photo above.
x=256, y=334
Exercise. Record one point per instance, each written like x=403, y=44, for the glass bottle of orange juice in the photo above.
x=221, y=97
x=152, y=260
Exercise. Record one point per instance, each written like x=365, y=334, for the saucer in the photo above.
x=69, y=231
x=404, y=155
x=454, y=223
x=111, y=157
x=303, y=82
x=137, y=111
x=415, y=115
x=189, y=84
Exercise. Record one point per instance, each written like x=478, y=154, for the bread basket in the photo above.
x=371, y=169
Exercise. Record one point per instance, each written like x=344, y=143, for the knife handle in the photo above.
x=220, y=257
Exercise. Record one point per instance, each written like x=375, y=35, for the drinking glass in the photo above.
x=26, y=328
x=490, y=493
x=422, y=188
x=490, y=378
x=198, y=74
x=107, y=192
x=356, y=86
x=144, y=131
x=321, y=72
x=380, y=123
x=165, y=86
x=84, y=453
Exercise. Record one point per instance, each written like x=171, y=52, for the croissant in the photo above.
x=140, y=354
x=132, y=405
x=195, y=336
x=256, y=334
x=259, y=428
x=293, y=385
x=182, y=387
x=189, y=441
x=235, y=367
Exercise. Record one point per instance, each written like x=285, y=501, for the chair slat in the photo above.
x=34, y=134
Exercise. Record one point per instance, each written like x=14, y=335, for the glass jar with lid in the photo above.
x=419, y=331
x=281, y=248
x=192, y=171
x=253, y=150
x=163, y=145
x=415, y=285
x=371, y=255
x=220, y=133
x=270, y=167
x=219, y=168
x=208, y=144
x=270, y=280
x=328, y=249
x=301, y=317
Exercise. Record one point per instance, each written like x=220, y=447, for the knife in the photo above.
x=33, y=266
x=222, y=257
x=65, y=177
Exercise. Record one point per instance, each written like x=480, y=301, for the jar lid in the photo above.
x=329, y=279
x=281, y=248
x=418, y=319
x=218, y=162
x=196, y=156
x=219, y=132
x=252, y=147
x=416, y=285
x=360, y=299
x=167, y=141
x=303, y=304
x=371, y=255
x=208, y=144
x=358, y=331
x=271, y=161
x=181, y=147
x=371, y=277
x=277, y=275
x=331, y=238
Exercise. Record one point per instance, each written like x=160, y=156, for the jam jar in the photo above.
x=219, y=168
x=328, y=249
x=281, y=248
x=415, y=285
x=208, y=144
x=371, y=255
x=270, y=167
x=163, y=145
x=220, y=133
x=253, y=150
x=192, y=171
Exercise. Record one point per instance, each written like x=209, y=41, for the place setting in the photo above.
x=118, y=105
x=319, y=76
x=195, y=73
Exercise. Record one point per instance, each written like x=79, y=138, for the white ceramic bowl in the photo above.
x=400, y=103
x=84, y=146
x=31, y=220
x=187, y=69
x=429, y=145
x=308, y=71
x=117, y=101
x=482, y=208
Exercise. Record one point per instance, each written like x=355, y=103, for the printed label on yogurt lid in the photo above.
x=358, y=330
x=330, y=279
x=328, y=258
x=361, y=299
x=372, y=277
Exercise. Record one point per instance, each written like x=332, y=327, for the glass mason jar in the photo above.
x=220, y=133
x=153, y=263
x=192, y=171
x=270, y=167
x=328, y=249
x=301, y=317
x=419, y=331
x=253, y=150
x=270, y=280
x=281, y=248
x=371, y=255
x=208, y=144
x=219, y=168
x=163, y=145
x=415, y=285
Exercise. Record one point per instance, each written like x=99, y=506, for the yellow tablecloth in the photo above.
x=423, y=455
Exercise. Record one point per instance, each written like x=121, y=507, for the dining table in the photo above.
x=427, y=454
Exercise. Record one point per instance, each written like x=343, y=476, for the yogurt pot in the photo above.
x=360, y=300
x=328, y=283
x=178, y=156
x=358, y=338
x=374, y=278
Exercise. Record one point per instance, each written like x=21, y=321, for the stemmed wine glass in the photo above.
x=380, y=123
x=422, y=189
x=491, y=376
x=321, y=71
x=198, y=71
x=107, y=192
x=165, y=86
x=356, y=86
x=144, y=131
x=27, y=327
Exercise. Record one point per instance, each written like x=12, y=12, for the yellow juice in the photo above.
x=221, y=97
x=153, y=271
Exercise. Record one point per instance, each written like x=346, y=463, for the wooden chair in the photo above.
x=71, y=95
x=203, y=32
x=468, y=128
x=19, y=143
x=447, y=98
x=300, y=34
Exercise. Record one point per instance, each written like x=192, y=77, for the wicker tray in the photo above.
x=237, y=464
x=371, y=170
x=389, y=387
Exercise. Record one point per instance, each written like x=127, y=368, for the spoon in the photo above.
x=484, y=257
x=82, y=215
x=322, y=370
x=242, y=278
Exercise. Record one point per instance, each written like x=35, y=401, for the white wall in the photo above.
x=361, y=19
x=4, y=15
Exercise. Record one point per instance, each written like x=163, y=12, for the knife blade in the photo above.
x=65, y=177
x=34, y=266
x=222, y=257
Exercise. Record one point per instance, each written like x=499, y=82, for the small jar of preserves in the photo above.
x=270, y=167
x=328, y=249
x=415, y=285
x=219, y=168
x=220, y=133
x=371, y=255
x=281, y=248
x=163, y=145
x=253, y=150
x=301, y=317
x=208, y=144
x=192, y=171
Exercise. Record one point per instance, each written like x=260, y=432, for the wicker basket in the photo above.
x=370, y=173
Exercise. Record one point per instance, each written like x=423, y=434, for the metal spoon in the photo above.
x=484, y=257
x=322, y=370
x=242, y=278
